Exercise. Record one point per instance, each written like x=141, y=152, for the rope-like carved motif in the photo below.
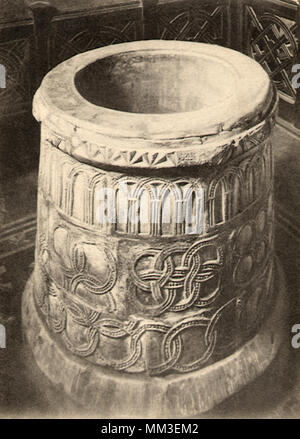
x=176, y=287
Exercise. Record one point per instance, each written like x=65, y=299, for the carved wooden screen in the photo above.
x=269, y=36
x=15, y=49
x=206, y=21
x=70, y=37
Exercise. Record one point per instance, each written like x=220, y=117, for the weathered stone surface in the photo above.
x=112, y=395
x=228, y=97
x=154, y=250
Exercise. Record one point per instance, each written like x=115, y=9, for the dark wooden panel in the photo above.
x=15, y=56
x=12, y=11
x=83, y=7
x=68, y=38
x=205, y=21
x=270, y=37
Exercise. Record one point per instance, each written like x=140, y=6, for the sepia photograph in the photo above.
x=149, y=212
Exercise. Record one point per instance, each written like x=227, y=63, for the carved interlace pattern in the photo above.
x=178, y=293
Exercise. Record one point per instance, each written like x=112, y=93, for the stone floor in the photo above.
x=276, y=394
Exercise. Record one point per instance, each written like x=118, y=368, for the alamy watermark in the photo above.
x=125, y=204
x=296, y=78
x=2, y=76
x=295, y=342
x=2, y=337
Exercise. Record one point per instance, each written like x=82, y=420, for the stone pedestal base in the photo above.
x=114, y=395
